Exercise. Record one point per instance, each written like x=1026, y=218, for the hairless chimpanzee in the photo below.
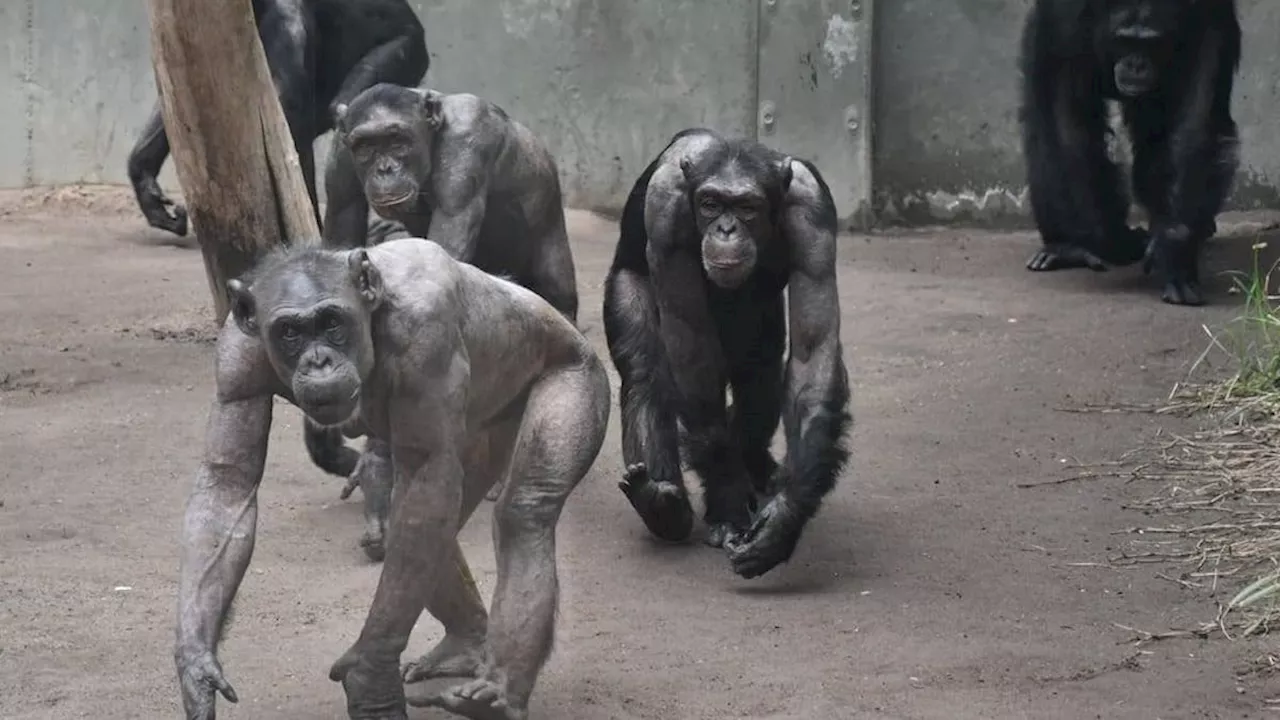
x=321, y=53
x=1171, y=65
x=458, y=170
x=464, y=377
x=713, y=232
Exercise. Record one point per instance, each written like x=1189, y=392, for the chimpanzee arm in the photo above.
x=221, y=517
x=461, y=189
x=815, y=413
x=395, y=62
x=686, y=327
x=346, y=214
x=1204, y=136
x=1201, y=154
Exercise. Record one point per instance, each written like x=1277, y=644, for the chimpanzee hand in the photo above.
x=371, y=679
x=200, y=676
x=769, y=541
x=1172, y=253
x=662, y=505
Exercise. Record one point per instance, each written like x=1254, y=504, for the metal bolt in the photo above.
x=766, y=116
x=770, y=3
x=851, y=118
x=855, y=9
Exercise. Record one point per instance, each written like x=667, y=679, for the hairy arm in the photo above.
x=221, y=517
x=346, y=214
x=462, y=182
x=384, y=63
x=1203, y=131
x=686, y=327
x=815, y=411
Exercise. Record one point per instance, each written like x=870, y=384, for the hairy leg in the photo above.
x=561, y=434
x=554, y=277
x=653, y=481
x=145, y=161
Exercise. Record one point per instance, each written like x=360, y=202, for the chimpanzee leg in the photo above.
x=562, y=430
x=757, y=382
x=145, y=161
x=402, y=61
x=653, y=481
x=456, y=603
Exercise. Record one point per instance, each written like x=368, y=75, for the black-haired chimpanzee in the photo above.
x=466, y=378
x=1171, y=65
x=321, y=54
x=456, y=169
x=713, y=232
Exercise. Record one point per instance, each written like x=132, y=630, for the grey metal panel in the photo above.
x=14, y=35
x=604, y=83
x=815, y=90
x=93, y=89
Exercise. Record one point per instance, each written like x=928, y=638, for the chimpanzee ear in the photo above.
x=365, y=276
x=686, y=167
x=431, y=105
x=244, y=308
x=784, y=175
x=340, y=115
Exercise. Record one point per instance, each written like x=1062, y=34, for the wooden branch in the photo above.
x=240, y=175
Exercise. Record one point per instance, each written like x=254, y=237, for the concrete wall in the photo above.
x=928, y=111
x=946, y=138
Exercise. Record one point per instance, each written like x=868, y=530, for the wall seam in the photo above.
x=28, y=86
x=755, y=72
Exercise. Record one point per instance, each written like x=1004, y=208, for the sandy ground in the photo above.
x=929, y=587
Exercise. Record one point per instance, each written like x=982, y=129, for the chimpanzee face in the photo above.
x=1141, y=36
x=390, y=132
x=313, y=313
x=733, y=210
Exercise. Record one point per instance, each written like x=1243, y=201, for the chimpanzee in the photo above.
x=713, y=232
x=464, y=378
x=321, y=53
x=1171, y=65
x=458, y=170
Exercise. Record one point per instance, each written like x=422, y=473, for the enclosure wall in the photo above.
x=606, y=82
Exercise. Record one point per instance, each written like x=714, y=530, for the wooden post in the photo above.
x=240, y=176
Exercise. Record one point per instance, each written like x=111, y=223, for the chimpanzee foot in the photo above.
x=481, y=699
x=768, y=542
x=662, y=505
x=372, y=683
x=453, y=656
x=1057, y=256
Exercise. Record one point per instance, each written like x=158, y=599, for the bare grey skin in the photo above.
x=464, y=378
x=458, y=170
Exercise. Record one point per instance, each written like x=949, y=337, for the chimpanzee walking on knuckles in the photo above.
x=465, y=377
x=713, y=232
x=458, y=170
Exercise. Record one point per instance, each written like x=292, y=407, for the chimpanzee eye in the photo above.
x=710, y=206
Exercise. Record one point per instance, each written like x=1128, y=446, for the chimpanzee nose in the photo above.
x=724, y=227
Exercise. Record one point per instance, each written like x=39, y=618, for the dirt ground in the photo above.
x=930, y=586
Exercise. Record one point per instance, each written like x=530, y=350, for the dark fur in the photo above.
x=741, y=347
x=1184, y=160
x=321, y=53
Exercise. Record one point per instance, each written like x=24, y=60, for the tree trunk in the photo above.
x=240, y=176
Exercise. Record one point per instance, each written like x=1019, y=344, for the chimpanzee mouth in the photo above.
x=1132, y=89
x=393, y=202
